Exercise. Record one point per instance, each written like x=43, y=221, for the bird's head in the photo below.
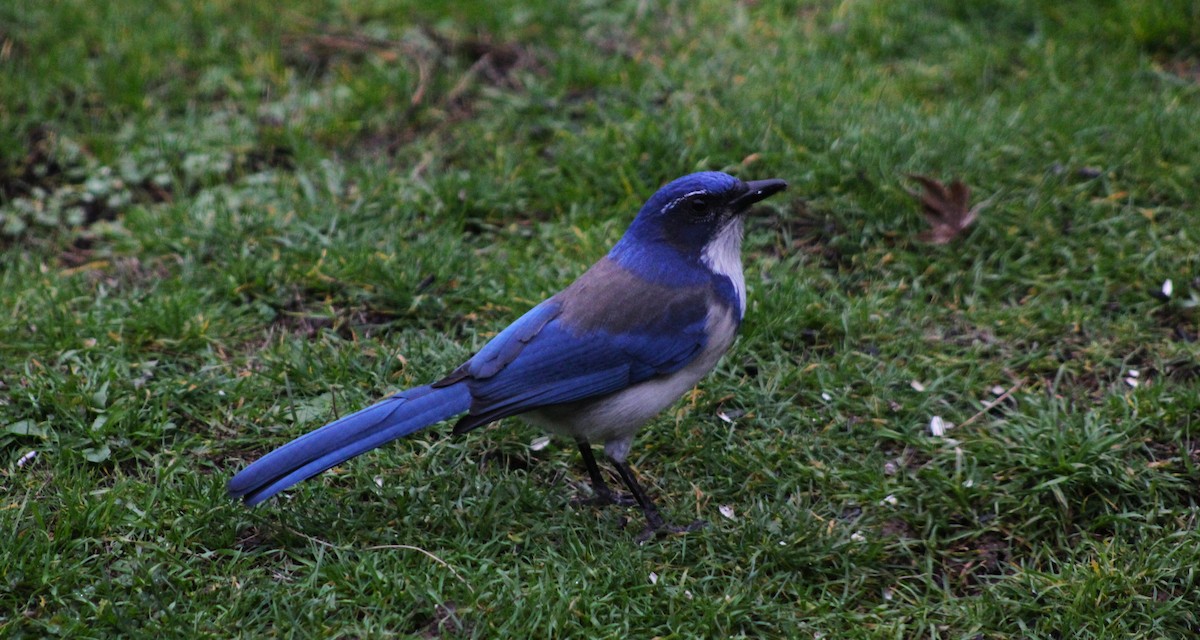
x=695, y=211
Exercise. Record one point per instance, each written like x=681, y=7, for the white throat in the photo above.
x=723, y=254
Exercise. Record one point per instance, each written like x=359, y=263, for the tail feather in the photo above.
x=398, y=416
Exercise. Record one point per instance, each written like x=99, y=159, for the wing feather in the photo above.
x=573, y=346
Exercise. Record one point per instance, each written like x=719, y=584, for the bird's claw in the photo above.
x=605, y=498
x=666, y=528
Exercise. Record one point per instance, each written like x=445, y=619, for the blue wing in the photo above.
x=607, y=331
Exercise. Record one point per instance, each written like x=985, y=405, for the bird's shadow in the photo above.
x=515, y=493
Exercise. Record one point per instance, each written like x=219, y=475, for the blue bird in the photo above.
x=592, y=363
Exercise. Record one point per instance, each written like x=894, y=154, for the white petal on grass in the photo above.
x=826, y=397
x=890, y=500
x=653, y=578
x=917, y=386
x=858, y=536
x=727, y=511
x=1168, y=288
x=937, y=427
x=379, y=481
x=27, y=458
x=539, y=443
x=731, y=415
x=1134, y=373
x=1132, y=382
x=997, y=390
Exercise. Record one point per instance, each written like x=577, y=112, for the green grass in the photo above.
x=222, y=225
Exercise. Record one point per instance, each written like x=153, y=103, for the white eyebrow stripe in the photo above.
x=671, y=204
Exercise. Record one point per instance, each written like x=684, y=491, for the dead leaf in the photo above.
x=945, y=209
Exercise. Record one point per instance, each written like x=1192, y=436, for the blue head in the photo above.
x=693, y=212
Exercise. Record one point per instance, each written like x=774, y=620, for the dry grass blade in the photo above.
x=946, y=209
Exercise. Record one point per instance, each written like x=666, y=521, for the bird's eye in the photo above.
x=698, y=205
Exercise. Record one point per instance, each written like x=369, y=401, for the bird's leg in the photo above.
x=655, y=524
x=603, y=494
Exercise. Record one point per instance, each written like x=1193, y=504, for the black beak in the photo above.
x=757, y=190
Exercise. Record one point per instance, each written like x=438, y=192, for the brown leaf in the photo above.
x=945, y=209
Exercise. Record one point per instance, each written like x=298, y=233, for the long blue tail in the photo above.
x=338, y=441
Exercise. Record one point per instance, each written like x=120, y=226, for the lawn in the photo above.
x=223, y=224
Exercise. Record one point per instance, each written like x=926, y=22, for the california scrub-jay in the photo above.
x=592, y=363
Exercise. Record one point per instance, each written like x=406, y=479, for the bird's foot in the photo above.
x=664, y=529
x=604, y=497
